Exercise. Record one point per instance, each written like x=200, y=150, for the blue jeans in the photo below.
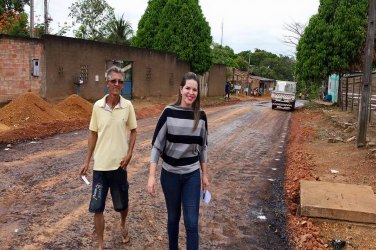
x=182, y=189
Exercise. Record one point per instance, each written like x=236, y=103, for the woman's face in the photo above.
x=188, y=93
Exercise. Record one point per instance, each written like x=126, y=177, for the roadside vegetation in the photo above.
x=331, y=43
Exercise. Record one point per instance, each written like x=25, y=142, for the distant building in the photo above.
x=245, y=80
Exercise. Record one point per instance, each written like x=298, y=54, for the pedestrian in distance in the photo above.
x=112, y=118
x=180, y=139
x=227, y=91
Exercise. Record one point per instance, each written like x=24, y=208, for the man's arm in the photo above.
x=132, y=140
x=92, y=141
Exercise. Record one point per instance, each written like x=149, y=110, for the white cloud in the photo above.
x=247, y=24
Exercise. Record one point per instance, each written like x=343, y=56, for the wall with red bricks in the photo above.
x=16, y=55
x=154, y=73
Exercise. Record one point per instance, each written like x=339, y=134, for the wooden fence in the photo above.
x=351, y=93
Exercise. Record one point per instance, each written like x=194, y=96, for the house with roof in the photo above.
x=246, y=80
x=265, y=85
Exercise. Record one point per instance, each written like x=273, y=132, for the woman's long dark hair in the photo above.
x=196, y=104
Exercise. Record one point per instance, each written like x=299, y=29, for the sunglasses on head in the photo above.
x=114, y=81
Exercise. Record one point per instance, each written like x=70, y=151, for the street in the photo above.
x=44, y=203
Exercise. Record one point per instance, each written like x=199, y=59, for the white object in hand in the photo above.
x=206, y=196
x=85, y=179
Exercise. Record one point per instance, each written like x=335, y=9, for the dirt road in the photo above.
x=44, y=203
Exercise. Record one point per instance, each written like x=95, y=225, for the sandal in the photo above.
x=125, y=235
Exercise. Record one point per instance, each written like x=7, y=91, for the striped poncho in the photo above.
x=181, y=148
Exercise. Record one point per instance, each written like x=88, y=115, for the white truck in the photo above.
x=284, y=95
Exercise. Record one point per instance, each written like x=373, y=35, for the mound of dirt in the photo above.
x=147, y=111
x=28, y=109
x=75, y=107
x=29, y=117
x=304, y=234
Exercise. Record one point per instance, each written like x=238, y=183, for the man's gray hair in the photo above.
x=113, y=69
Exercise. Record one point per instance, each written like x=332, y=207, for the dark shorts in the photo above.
x=116, y=181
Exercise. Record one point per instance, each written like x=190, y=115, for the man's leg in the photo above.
x=99, y=228
x=97, y=204
x=124, y=230
x=123, y=217
x=119, y=192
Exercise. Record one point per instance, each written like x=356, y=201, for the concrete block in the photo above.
x=356, y=203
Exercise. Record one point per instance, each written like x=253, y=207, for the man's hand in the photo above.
x=125, y=161
x=83, y=169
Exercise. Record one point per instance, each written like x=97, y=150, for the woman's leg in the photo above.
x=191, y=204
x=171, y=188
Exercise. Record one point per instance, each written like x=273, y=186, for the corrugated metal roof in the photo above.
x=262, y=78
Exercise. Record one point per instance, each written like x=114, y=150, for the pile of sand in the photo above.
x=29, y=116
x=75, y=107
x=27, y=109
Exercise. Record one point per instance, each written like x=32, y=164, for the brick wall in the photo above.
x=16, y=55
x=154, y=73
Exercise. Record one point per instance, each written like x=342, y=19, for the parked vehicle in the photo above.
x=283, y=95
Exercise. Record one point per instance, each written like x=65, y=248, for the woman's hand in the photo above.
x=205, y=181
x=205, y=177
x=151, y=185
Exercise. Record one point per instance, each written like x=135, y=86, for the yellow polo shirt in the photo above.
x=112, y=127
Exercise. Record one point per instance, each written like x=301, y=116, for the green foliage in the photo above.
x=268, y=65
x=94, y=17
x=260, y=63
x=13, y=19
x=223, y=55
x=12, y=5
x=62, y=30
x=148, y=24
x=39, y=30
x=177, y=26
x=332, y=41
x=313, y=90
x=14, y=23
x=120, y=31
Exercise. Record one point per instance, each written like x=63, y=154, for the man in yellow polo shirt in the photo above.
x=112, y=118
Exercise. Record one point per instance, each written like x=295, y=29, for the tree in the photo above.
x=94, y=17
x=268, y=65
x=332, y=41
x=187, y=34
x=13, y=5
x=13, y=19
x=14, y=23
x=296, y=31
x=148, y=24
x=120, y=31
x=223, y=55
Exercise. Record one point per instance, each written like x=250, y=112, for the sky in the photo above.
x=243, y=25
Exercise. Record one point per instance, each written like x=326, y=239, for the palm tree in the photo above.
x=121, y=31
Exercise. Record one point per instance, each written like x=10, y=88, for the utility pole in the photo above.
x=222, y=32
x=31, y=31
x=367, y=77
x=248, y=70
x=45, y=17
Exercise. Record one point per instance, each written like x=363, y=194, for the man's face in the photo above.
x=115, y=84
